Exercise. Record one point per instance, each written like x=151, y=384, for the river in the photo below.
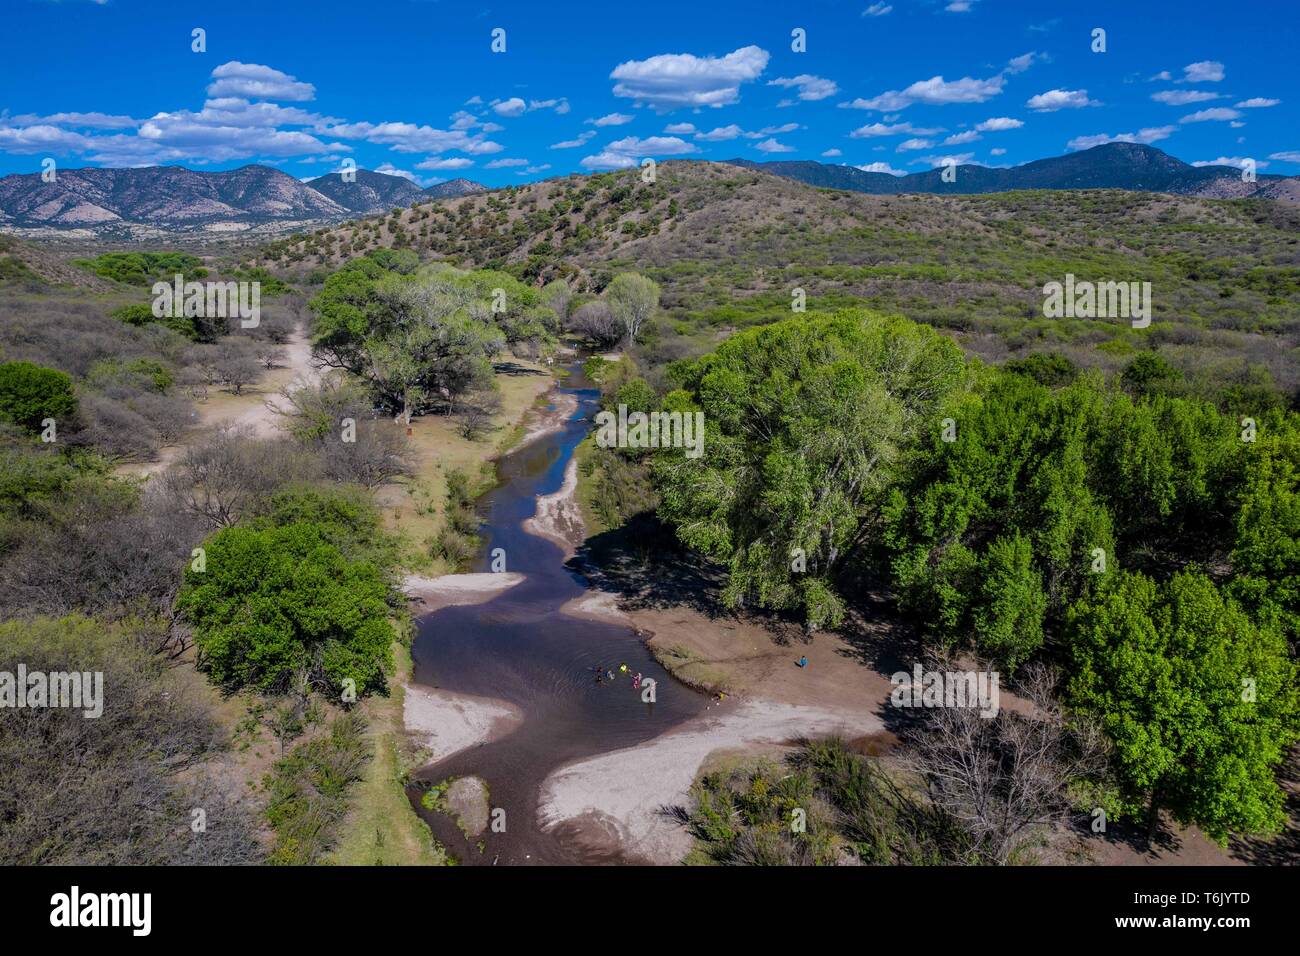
x=517, y=647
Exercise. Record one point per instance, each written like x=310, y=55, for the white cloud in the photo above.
x=611, y=119
x=624, y=153
x=935, y=91
x=511, y=107
x=960, y=6
x=1206, y=71
x=1286, y=156
x=1163, y=75
x=257, y=82
x=998, y=151
x=1023, y=62
x=998, y=124
x=1150, y=134
x=505, y=163
x=580, y=140
x=872, y=130
x=450, y=162
x=909, y=145
x=1054, y=100
x=772, y=146
x=1256, y=102
x=771, y=130
x=720, y=134
x=672, y=81
x=77, y=120
x=1238, y=161
x=388, y=169
x=957, y=159
x=881, y=168
x=560, y=105
x=810, y=87
x=832, y=152
x=959, y=139
x=1183, y=97
x=877, y=10
x=680, y=129
x=1215, y=114
x=409, y=138
x=32, y=139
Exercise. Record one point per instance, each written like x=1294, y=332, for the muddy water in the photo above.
x=518, y=648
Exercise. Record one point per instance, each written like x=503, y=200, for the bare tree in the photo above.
x=376, y=454
x=1004, y=779
x=597, y=322
x=223, y=476
x=235, y=364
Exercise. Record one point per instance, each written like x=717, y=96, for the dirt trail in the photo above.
x=255, y=409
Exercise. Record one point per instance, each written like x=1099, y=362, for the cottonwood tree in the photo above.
x=1200, y=701
x=806, y=422
x=632, y=299
x=416, y=341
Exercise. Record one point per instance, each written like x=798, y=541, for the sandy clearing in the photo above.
x=444, y=723
x=256, y=411
x=482, y=583
x=558, y=517
x=624, y=792
x=597, y=606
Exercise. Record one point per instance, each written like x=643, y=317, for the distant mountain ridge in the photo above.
x=259, y=200
x=174, y=198
x=370, y=192
x=1109, y=166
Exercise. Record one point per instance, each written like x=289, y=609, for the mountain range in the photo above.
x=131, y=203
x=259, y=200
x=1109, y=166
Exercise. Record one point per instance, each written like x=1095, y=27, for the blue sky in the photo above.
x=413, y=87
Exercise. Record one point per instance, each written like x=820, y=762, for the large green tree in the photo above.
x=280, y=608
x=29, y=394
x=806, y=422
x=1199, y=701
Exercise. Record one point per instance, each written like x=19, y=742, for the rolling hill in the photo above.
x=728, y=245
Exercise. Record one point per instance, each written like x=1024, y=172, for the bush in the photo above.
x=29, y=394
x=280, y=608
x=308, y=791
x=117, y=789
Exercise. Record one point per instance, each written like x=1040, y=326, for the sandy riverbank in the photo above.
x=626, y=795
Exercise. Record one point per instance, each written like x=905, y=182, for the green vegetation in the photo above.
x=144, y=268
x=309, y=792
x=1200, y=701
x=727, y=246
x=280, y=608
x=29, y=394
x=1145, y=543
x=426, y=340
x=825, y=804
x=806, y=421
x=94, y=791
